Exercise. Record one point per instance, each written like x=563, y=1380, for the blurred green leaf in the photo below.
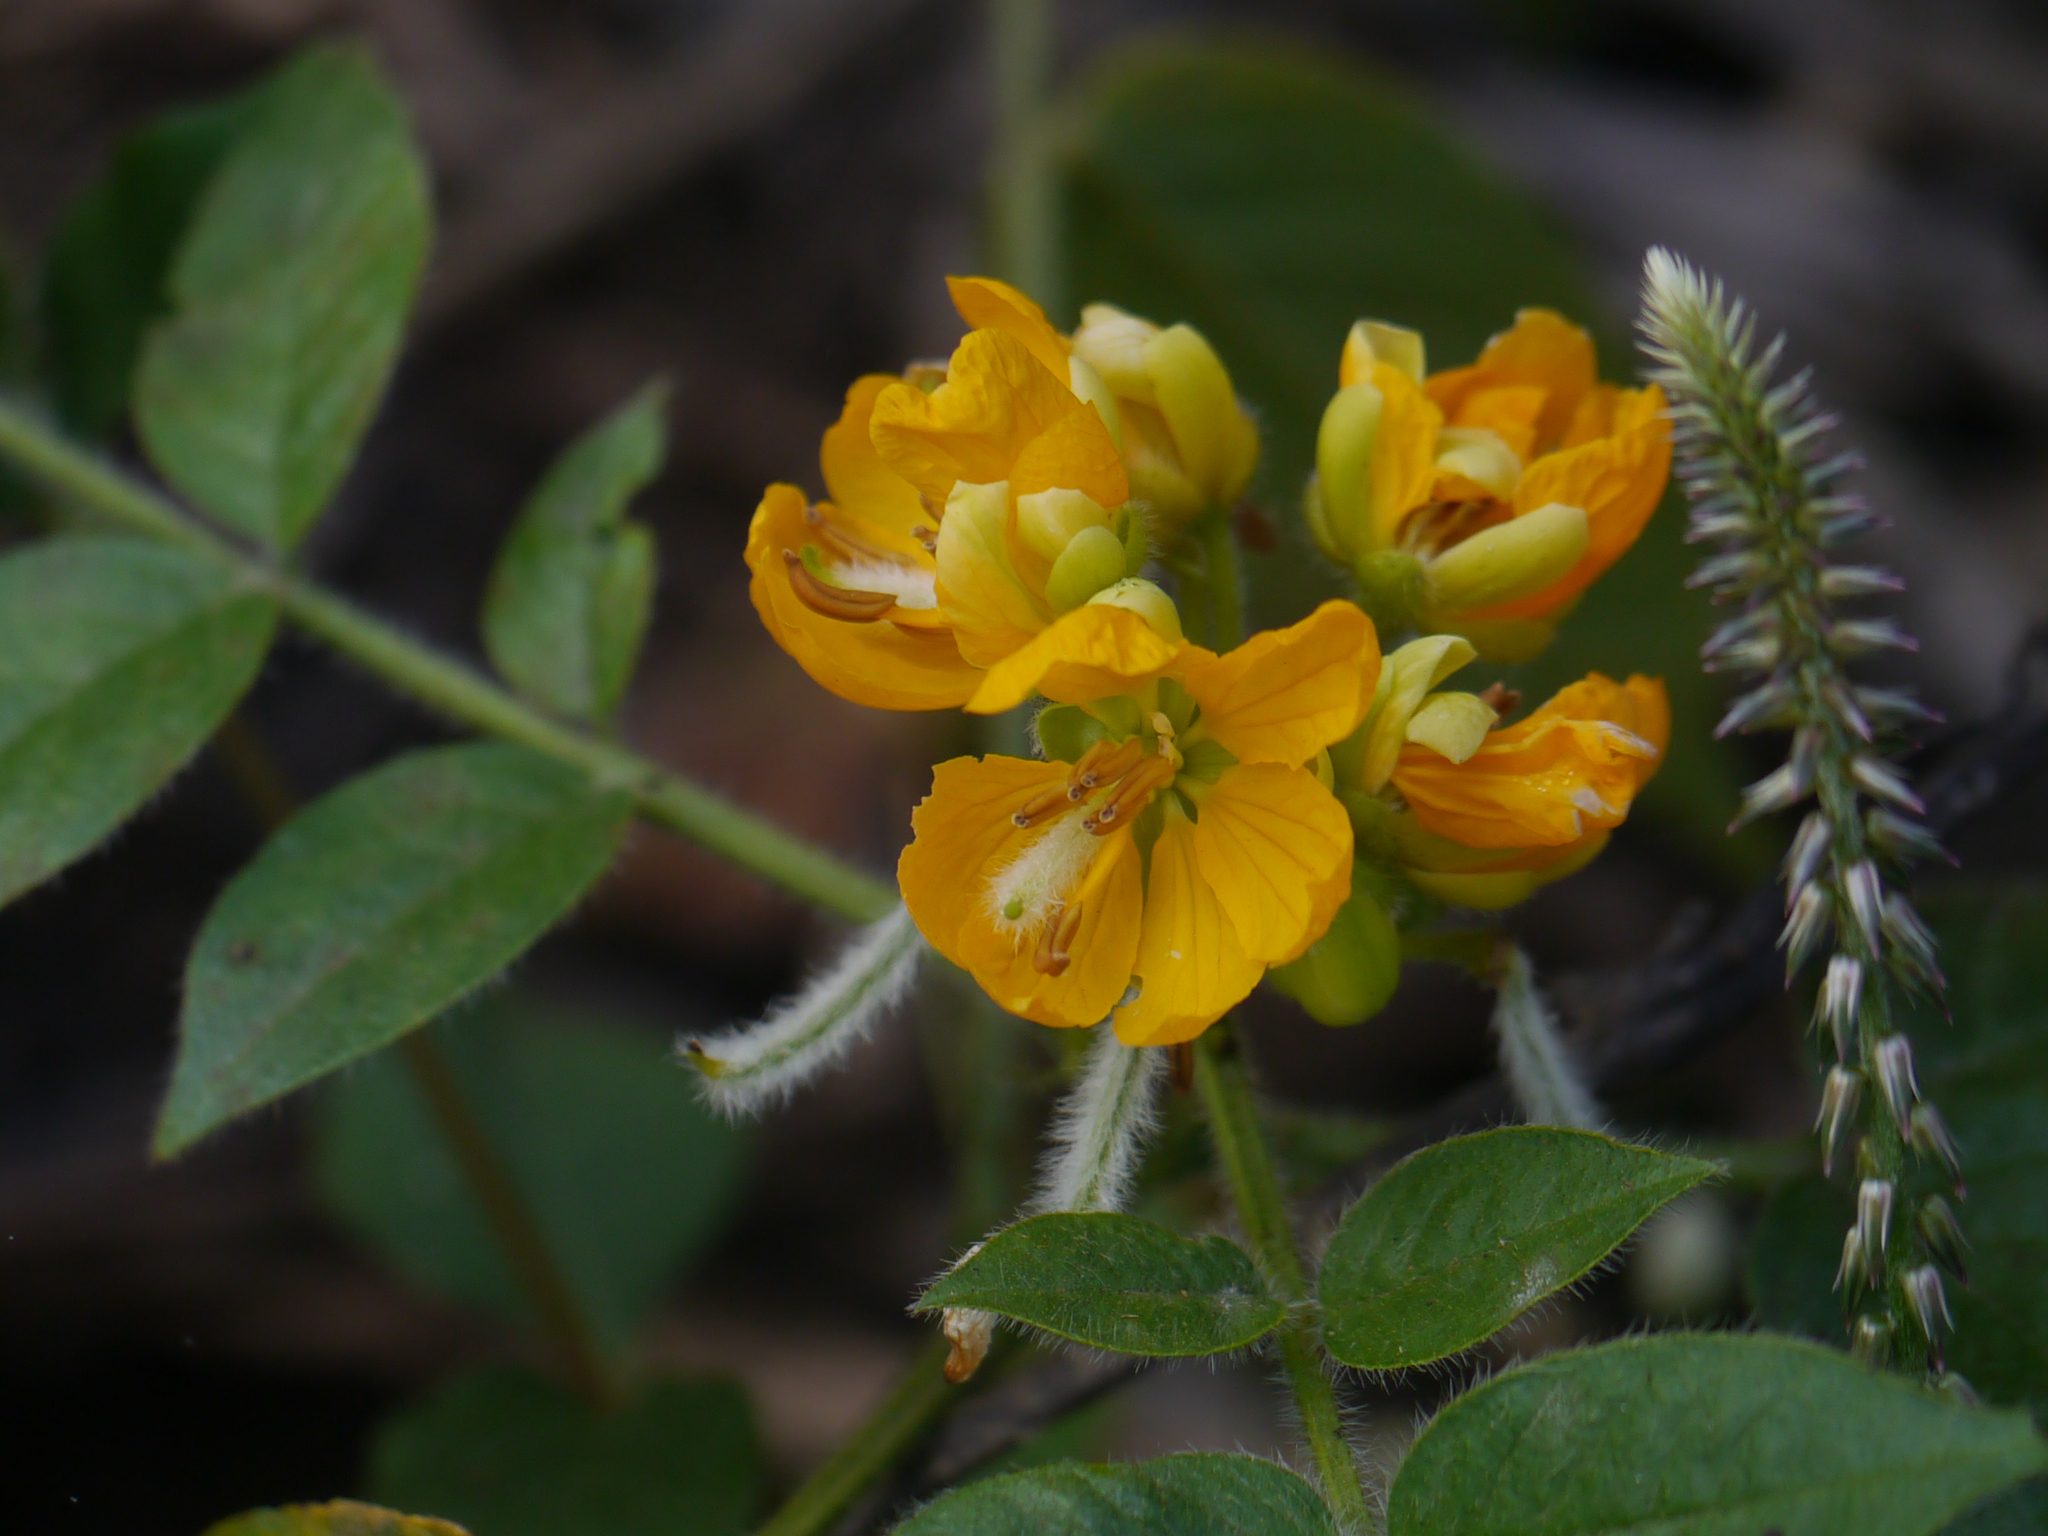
x=509, y=1454
x=1988, y=1074
x=625, y=1174
x=1114, y=1282
x=1203, y=1495
x=109, y=267
x=1270, y=198
x=1704, y=1435
x=290, y=293
x=117, y=660
x=2021, y=1511
x=371, y=911
x=1463, y=1237
x=570, y=595
x=342, y=1517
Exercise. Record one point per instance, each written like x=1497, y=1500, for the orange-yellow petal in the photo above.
x=964, y=835
x=989, y=304
x=984, y=424
x=1275, y=847
x=1618, y=480
x=1285, y=694
x=1570, y=768
x=884, y=504
x=1403, y=470
x=1190, y=962
x=1542, y=349
x=880, y=664
x=1083, y=656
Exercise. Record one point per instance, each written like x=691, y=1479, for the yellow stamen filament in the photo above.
x=1437, y=525
x=1055, y=943
x=843, y=541
x=934, y=510
x=1132, y=794
x=1042, y=806
x=849, y=603
x=1104, y=763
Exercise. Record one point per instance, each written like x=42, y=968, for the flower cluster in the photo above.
x=1201, y=815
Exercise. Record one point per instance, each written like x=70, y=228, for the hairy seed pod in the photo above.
x=1841, y=1092
x=1902, y=840
x=1871, y=1340
x=1929, y=1135
x=1881, y=781
x=1803, y=858
x=1851, y=1271
x=1841, y=997
x=1769, y=704
x=1943, y=1234
x=1912, y=941
x=1806, y=928
x=1874, y=1201
x=1863, y=887
x=1841, y=582
x=1929, y=1301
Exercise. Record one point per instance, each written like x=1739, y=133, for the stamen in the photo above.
x=928, y=537
x=1501, y=699
x=846, y=543
x=848, y=603
x=1103, y=763
x=1052, y=957
x=1436, y=525
x=1130, y=797
x=935, y=510
x=1043, y=806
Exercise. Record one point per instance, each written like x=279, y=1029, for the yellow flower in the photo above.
x=968, y=513
x=1188, y=443
x=1484, y=500
x=1174, y=845
x=1483, y=817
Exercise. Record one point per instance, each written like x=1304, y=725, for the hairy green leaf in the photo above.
x=1270, y=197
x=109, y=268
x=289, y=298
x=342, y=1517
x=625, y=1173
x=1115, y=1282
x=1202, y=1495
x=373, y=910
x=1988, y=1074
x=570, y=595
x=1704, y=1435
x=509, y=1454
x=117, y=660
x=1463, y=1237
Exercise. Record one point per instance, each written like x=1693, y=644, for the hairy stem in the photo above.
x=911, y=1407
x=1222, y=578
x=449, y=686
x=1255, y=1189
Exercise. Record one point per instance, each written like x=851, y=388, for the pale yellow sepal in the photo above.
x=1407, y=676
x=1344, y=447
x=1508, y=561
x=1481, y=456
x=1218, y=445
x=1147, y=599
x=1452, y=724
x=1375, y=341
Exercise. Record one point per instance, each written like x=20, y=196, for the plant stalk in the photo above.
x=1255, y=1189
x=448, y=686
x=911, y=1407
x=1023, y=209
x=1223, y=578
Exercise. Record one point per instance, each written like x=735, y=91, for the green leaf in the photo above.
x=1704, y=1435
x=1115, y=1282
x=1988, y=1074
x=1463, y=1237
x=1203, y=1495
x=289, y=295
x=1270, y=197
x=109, y=267
x=2021, y=1511
x=625, y=1174
x=342, y=1517
x=570, y=595
x=373, y=910
x=509, y=1454
x=117, y=661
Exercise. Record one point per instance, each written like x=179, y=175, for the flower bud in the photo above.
x=1218, y=442
x=1881, y=781
x=1092, y=561
x=1047, y=521
x=1481, y=456
x=1864, y=888
x=1874, y=1201
x=1406, y=677
x=1851, y=1271
x=1806, y=928
x=1112, y=342
x=1344, y=447
x=1912, y=941
x=1870, y=1340
x=1347, y=975
x=1943, y=1235
x=1091, y=386
x=1841, y=996
x=1841, y=1092
x=1803, y=859
x=1453, y=725
x=970, y=1332
x=1375, y=341
x=1891, y=1063
x=1929, y=1301
x=1508, y=561
x=1145, y=599
x=1928, y=1134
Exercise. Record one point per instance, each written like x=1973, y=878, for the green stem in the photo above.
x=510, y=1218
x=911, y=1408
x=1255, y=1189
x=449, y=686
x=1023, y=200
x=1223, y=579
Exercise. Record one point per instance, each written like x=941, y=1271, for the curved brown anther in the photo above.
x=848, y=603
x=1104, y=763
x=1500, y=698
x=843, y=540
x=928, y=537
x=1041, y=806
x=1055, y=943
x=1132, y=794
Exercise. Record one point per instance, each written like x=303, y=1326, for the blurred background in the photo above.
x=759, y=199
